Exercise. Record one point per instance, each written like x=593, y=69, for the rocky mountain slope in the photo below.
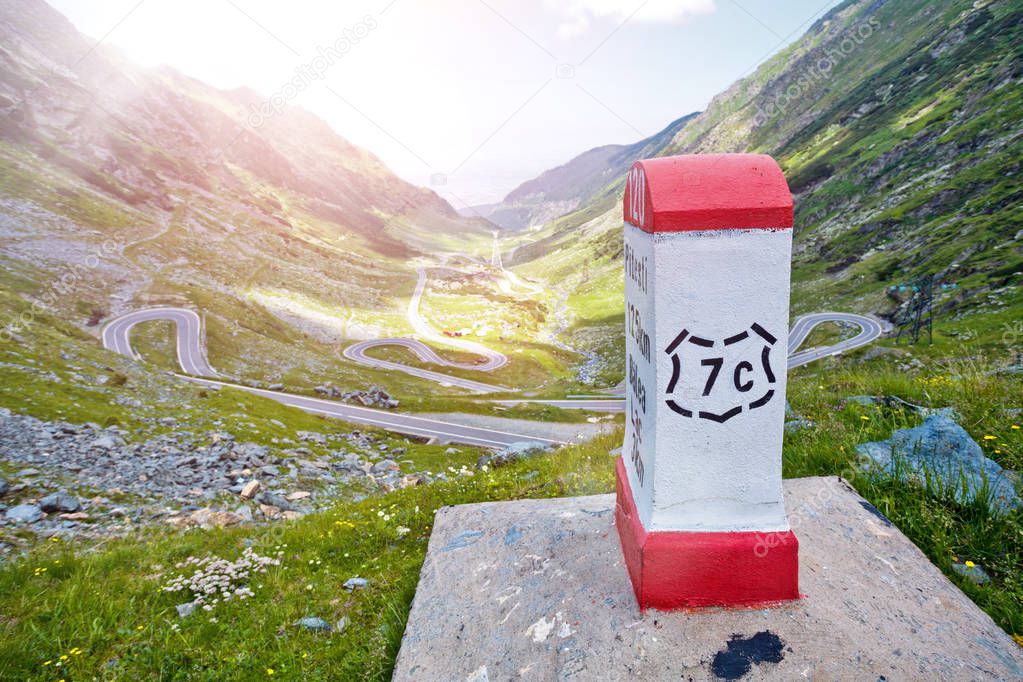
x=900, y=128
x=122, y=187
x=563, y=189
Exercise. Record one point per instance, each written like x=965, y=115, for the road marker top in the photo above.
x=700, y=512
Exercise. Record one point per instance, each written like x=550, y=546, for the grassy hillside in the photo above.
x=899, y=127
x=123, y=187
x=52, y=613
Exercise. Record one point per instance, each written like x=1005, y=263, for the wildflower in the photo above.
x=1015, y=427
x=46, y=663
x=269, y=671
x=140, y=627
x=865, y=418
x=970, y=564
x=990, y=437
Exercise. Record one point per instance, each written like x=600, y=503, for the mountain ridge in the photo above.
x=562, y=189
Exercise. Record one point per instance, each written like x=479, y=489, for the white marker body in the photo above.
x=719, y=467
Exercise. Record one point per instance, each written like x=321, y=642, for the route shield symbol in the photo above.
x=718, y=379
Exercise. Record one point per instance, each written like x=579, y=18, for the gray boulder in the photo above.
x=314, y=624
x=353, y=583
x=798, y=424
x=105, y=443
x=275, y=500
x=943, y=450
x=511, y=453
x=4, y=487
x=24, y=513
x=60, y=502
x=973, y=573
x=384, y=465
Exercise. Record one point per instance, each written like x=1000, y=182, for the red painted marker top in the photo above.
x=707, y=192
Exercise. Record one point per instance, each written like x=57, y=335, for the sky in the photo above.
x=468, y=97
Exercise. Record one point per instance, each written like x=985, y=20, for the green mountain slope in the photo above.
x=899, y=127
x=135, y=187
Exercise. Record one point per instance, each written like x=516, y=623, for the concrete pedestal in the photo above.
x=537, y=590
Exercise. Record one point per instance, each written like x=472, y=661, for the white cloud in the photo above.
x=580, y=15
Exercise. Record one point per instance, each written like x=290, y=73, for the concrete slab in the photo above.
x=537, y=590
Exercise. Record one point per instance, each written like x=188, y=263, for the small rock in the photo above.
x=274, y=500
x=75, y=516
x=975, y=573
x=290, y=515
x=798, y=424
x=269, y=511
x=276, y=387
x=384, y=465
x=353, y=583
x=244, y=513
x=218, y=519
x=4, y=487
x=185, y=610
x=24, y=513
x=270, y=470
x=59, y=502
x=314, y=624
x=298, y=495
x=105, y=443
x=250, y=489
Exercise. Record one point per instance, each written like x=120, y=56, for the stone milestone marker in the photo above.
x=699, y=482
x=541, y=589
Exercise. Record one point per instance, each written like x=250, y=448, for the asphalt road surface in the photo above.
x=440, y=431
x=491, y=359
x=870, y=330
x=192, y=358
x=116, y=337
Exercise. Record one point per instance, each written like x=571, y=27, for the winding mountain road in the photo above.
x=194, y=364
x=492, y=359
x=870, y=330
x=190, y=346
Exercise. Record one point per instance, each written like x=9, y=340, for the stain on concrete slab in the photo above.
x=876, y=512
x=742, y=653
x=473, y=607
x=513, y=535
x=463, y=539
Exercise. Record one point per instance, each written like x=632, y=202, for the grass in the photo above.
x=124, y=628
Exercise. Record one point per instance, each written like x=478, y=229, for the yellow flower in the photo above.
x=1016, y=427
x=269, y=671
x=865, y=418
x=990, y=437
x=46, y=663
x=139, y=627
x=970, y=564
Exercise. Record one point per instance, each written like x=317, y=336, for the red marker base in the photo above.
x=679, y=569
